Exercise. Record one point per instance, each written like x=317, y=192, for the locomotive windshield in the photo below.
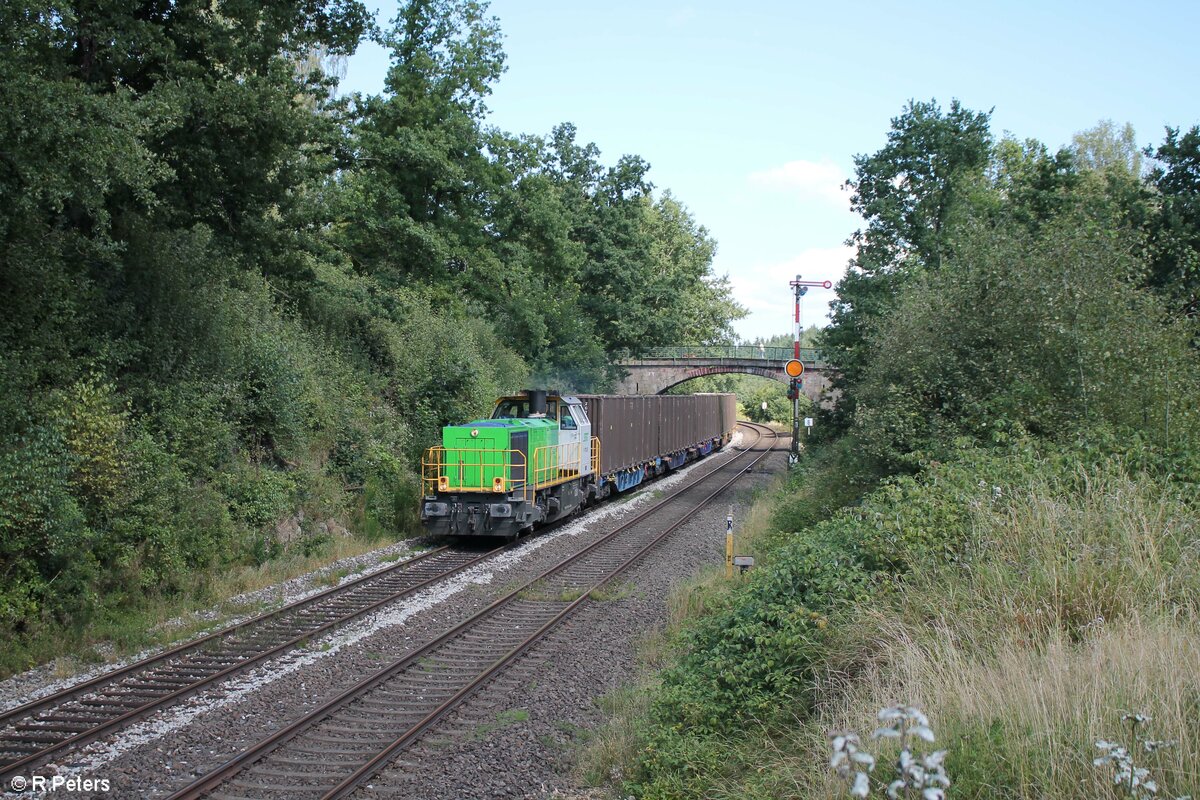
x=518, y=408
x=513, y=408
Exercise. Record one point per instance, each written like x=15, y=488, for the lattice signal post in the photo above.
x=795, y=367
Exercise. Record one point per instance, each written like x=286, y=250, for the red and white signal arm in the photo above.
x=794, y=368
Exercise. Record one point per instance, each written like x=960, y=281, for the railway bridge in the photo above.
x=660, y=368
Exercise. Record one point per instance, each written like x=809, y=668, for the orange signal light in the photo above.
x=794, y=368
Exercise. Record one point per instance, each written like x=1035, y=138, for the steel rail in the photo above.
x=266, y=747
x=367, y=771
x=10, y=732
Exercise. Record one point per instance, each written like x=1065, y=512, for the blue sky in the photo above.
x=751, y=113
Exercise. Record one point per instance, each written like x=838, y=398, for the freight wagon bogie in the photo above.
x=543, y=456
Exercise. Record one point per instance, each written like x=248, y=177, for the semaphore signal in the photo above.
x=795, y=367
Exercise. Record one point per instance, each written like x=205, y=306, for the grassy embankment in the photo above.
x=160, y=620
x=1024, y=600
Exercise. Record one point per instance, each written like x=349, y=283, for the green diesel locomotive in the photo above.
x=537, y=458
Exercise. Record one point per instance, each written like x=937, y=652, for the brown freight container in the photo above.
x=634, y=429
x=672, y=422
x=727, y=413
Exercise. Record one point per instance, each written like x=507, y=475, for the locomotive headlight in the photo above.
x=474, y=432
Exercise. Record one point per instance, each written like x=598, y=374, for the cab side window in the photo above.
x=566, y=422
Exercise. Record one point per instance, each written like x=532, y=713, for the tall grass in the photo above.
x=1076, y=606
x=1047, y=608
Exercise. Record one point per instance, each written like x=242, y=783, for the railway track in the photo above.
x=335, y=748
x=37, y=730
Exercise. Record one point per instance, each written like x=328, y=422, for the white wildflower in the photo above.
x=916, y=716
x=923, y=731
x=1135, y=781
x=922, y=774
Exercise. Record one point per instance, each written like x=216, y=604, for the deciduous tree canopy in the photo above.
x=231, y=296
x=999, y=290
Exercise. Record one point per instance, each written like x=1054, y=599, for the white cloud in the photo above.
x=764, y=290
x=819, y=180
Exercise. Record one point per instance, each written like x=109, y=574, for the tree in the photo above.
x=152, y=158
x=1042, y=333
x=679, y=284
x=1026, y=183
x=808, y=339
x=907, y=193
x=907, y=190
x=1104, y=148
x=413, y=206
x=779, y=408
x=1175, y=229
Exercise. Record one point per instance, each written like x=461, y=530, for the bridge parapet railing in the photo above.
x=732, y=352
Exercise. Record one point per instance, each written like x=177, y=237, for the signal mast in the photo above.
x=794, y=369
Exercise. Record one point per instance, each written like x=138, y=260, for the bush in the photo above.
x=779, y=408
x=43, y=530
x=1026, y=333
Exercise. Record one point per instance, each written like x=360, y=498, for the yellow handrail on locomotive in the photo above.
x=559, y=463
x=502, y=471
x=464, y=469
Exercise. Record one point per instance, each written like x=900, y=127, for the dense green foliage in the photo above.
x=940, y=197
x=762, y=675
x=234, y=300
x=1012, y=468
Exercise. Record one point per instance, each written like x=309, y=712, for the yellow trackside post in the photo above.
x=729, y=544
